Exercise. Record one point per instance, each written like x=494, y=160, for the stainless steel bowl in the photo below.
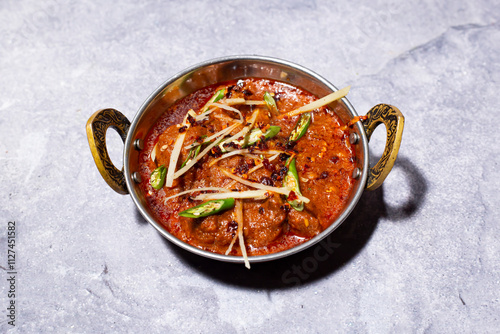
x=232, y=68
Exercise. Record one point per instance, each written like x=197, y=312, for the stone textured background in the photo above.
x=420, y=254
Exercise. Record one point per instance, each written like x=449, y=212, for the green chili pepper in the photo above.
x=301, y=127
x=272, y=131
x=291, y=180
x=216, y=97
x=208, y=208
x=253, y=136
x=194, y=150
x=189, y=156
x=157, y=178
x=271, y=103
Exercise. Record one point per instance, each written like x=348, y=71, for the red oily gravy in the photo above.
x=324, y=161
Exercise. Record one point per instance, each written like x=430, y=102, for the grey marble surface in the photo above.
x=420, y=254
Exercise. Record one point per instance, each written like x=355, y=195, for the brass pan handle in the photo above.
x=97, y=125
x=394, y=123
